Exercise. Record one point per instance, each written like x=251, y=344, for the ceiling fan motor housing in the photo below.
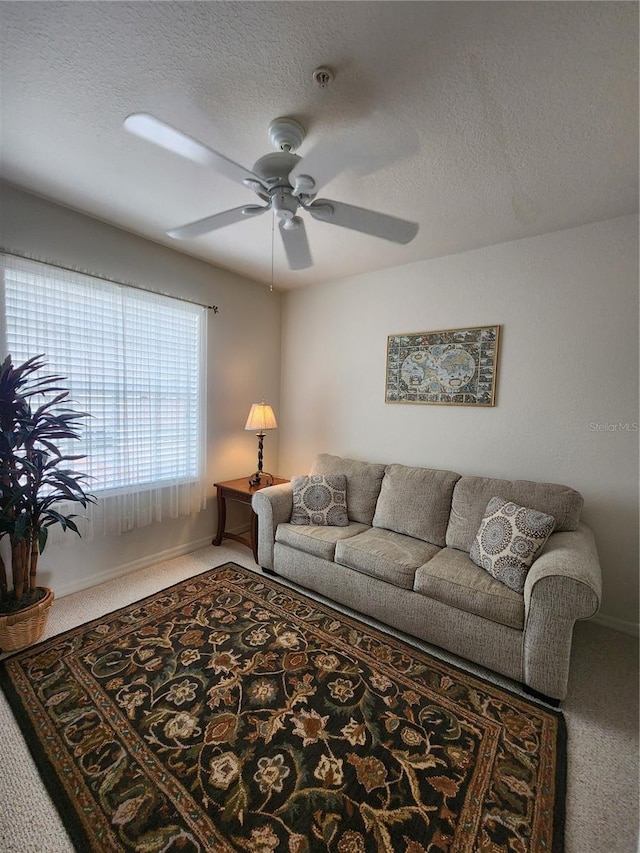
x=274, y=168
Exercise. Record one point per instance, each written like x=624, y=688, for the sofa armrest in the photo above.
x=273, y=506
x=563, y=585
x=570, y=561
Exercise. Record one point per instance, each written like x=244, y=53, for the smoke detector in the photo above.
x=323, y=76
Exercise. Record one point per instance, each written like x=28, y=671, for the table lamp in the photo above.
x=260, y=418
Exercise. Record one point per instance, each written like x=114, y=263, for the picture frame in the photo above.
x=451, y=367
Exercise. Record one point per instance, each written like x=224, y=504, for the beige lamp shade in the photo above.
x=261, y=418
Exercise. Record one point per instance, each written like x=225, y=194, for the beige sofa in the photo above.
x=404, y=560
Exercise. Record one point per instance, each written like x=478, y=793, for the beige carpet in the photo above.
x=601, y=712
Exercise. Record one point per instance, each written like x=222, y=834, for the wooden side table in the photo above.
x=239, y=490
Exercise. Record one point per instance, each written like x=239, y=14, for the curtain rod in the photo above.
x=27, y=257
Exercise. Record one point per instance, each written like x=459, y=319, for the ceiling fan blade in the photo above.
x=325, y=161
x=360, y=219
x=212, y=223
x=153, y=130
x=296, y=245
x=360, y=149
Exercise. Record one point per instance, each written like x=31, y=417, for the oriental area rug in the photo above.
x=231, y=713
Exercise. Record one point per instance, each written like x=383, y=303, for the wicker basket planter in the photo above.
x=24, y=627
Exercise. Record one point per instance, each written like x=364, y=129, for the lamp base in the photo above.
x=261, y=478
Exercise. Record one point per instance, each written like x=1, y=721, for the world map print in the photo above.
x=451, y=366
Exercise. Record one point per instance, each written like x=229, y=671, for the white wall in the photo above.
x=242, y=367
x=568, y=305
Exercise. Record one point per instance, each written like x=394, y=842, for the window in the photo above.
x=135, y=361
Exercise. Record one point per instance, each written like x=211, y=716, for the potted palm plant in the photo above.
x=34, y=480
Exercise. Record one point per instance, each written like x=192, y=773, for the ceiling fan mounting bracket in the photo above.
x=254, y=209
x=304, y=186
x=286, y=134
x=321, y=210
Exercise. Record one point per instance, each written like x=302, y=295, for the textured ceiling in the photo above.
x=501, y=120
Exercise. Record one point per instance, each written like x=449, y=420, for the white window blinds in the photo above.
x=135, y=361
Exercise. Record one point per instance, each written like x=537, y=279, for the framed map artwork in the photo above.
x=449, y=367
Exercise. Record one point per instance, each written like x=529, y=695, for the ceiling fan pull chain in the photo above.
x=303, y=187
x=273, y=220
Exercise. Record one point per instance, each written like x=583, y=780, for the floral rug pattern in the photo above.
x=230, y=713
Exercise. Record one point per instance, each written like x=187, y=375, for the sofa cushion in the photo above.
x=385, y=555
x=363, y=483
x=315, y=539
x=472, y=494
x=320, y=499
x=509, y=539
x=416, y=502
x=452, y=578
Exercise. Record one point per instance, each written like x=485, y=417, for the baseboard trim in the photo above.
x=126, y=568
x=615, y=624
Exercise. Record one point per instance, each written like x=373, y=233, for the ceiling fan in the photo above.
x=283, y=181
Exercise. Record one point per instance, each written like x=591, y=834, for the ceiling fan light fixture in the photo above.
x=284, y=203
x=290, y=223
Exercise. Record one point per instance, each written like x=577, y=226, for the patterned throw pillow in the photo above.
x=509, y=539
x=320, y=499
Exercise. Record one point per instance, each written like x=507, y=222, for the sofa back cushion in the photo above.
x=472, y=494
x=416, y=502
x=363, y=483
